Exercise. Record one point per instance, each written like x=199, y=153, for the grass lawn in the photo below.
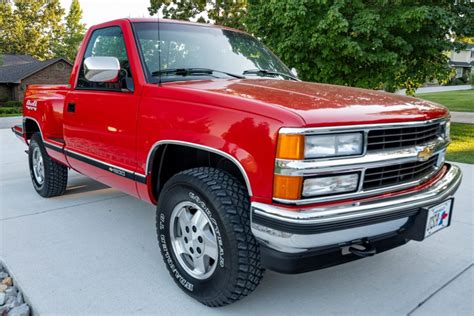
x=462, y=146
x=7, y=111
x=462, y=101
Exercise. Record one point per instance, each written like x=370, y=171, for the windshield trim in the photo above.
x=152, y=79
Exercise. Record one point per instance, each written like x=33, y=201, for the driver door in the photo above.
x=100, y=118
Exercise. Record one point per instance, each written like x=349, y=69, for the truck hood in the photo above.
x=323, y=104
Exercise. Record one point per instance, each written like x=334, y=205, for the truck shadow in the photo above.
x=81, y=184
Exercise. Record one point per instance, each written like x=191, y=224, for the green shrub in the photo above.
x=457, y=81
x=10, y=110
x=13, y=104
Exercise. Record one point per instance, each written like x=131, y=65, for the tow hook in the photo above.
x=364, y=249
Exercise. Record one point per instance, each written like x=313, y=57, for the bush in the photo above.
x=457, y=81
x=10, y=110
x=13, y=104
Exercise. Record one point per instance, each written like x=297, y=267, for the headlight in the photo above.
x=330, y=184
x=333, y=145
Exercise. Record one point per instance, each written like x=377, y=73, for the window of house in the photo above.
x=106, y=42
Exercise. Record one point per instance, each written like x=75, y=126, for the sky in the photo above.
x=98, y=11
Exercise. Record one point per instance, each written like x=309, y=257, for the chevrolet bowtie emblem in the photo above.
x=425, y=153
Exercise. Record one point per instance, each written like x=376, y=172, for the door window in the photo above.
x=107, y=42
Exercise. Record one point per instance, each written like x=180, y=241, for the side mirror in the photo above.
x=294, y=72
x=101, y=69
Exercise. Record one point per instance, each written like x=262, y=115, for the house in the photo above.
x=462, y=61
x=18, y=71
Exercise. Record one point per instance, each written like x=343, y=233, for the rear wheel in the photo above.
x=49, y=177
x=205, y=238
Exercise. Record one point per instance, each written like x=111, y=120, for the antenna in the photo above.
x=159, y=48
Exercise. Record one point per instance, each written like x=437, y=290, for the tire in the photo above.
x=236, y=270
x=54, y=180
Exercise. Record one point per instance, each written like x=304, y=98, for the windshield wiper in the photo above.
x=193, y=71
x=268, y=72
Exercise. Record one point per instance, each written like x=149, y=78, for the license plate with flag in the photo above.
x=439, y=217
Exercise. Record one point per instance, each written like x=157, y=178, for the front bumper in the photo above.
x=286, y=231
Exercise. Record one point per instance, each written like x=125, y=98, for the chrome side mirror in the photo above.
x=101, y=69
x=294, y=72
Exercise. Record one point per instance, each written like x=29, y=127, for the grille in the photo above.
x=397, y=174
x=402, y=137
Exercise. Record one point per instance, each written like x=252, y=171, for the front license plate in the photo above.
x=439, y=217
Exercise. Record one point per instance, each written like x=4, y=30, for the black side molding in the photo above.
x=112, y=169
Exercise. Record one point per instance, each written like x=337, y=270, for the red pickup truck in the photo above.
x=249, y=167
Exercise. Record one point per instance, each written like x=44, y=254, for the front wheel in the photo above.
x=205, y=238
x=48, y=176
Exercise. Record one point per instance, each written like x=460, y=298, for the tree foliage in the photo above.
x=224, y=12
x=74, y=32
x=37, y=28
x=377, y=44
x=364, y=43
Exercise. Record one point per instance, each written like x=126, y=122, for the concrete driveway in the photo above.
x=94, y=251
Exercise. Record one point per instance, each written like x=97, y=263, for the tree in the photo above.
x=364, y=43
x=376, y=44
x=224, y=12
x=74, y=33
x=31, y=27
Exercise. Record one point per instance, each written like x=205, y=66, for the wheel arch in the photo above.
x=161, y=163
x=31, y=126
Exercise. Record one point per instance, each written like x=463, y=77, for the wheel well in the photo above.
x=30, y=127
x=169, y=159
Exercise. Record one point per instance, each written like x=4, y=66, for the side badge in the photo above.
x=31, y=105
x=117, y=171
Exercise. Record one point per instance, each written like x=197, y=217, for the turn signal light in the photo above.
x=287, y=187
x=290, y=146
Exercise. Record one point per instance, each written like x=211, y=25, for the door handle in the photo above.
x=71, y=107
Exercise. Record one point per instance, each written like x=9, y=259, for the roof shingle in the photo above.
x=8, y=59
x=19, y=68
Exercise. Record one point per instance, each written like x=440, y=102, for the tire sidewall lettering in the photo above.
x=169, y=260
x=209, y=214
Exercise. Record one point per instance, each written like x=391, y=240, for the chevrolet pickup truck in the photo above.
x=249, y=167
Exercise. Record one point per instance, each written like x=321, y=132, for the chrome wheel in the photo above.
x=193, y=240
x=38, y=165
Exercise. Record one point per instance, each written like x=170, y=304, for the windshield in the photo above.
x=223, y=53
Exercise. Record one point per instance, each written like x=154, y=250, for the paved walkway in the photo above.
x=439, y=89
x=94, y=251
x=462, y=117
x=7, y=122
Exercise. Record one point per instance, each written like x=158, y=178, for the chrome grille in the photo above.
x=396, y=174
x=379, y=139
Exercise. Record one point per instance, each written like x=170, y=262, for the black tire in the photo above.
x=55, y=174
x=227, y=205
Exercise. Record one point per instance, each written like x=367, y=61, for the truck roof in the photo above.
x=134, y=20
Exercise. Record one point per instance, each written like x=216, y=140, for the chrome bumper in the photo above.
x=293, y=232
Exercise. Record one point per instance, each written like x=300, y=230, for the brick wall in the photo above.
x=5, y=92
x=57, y=73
